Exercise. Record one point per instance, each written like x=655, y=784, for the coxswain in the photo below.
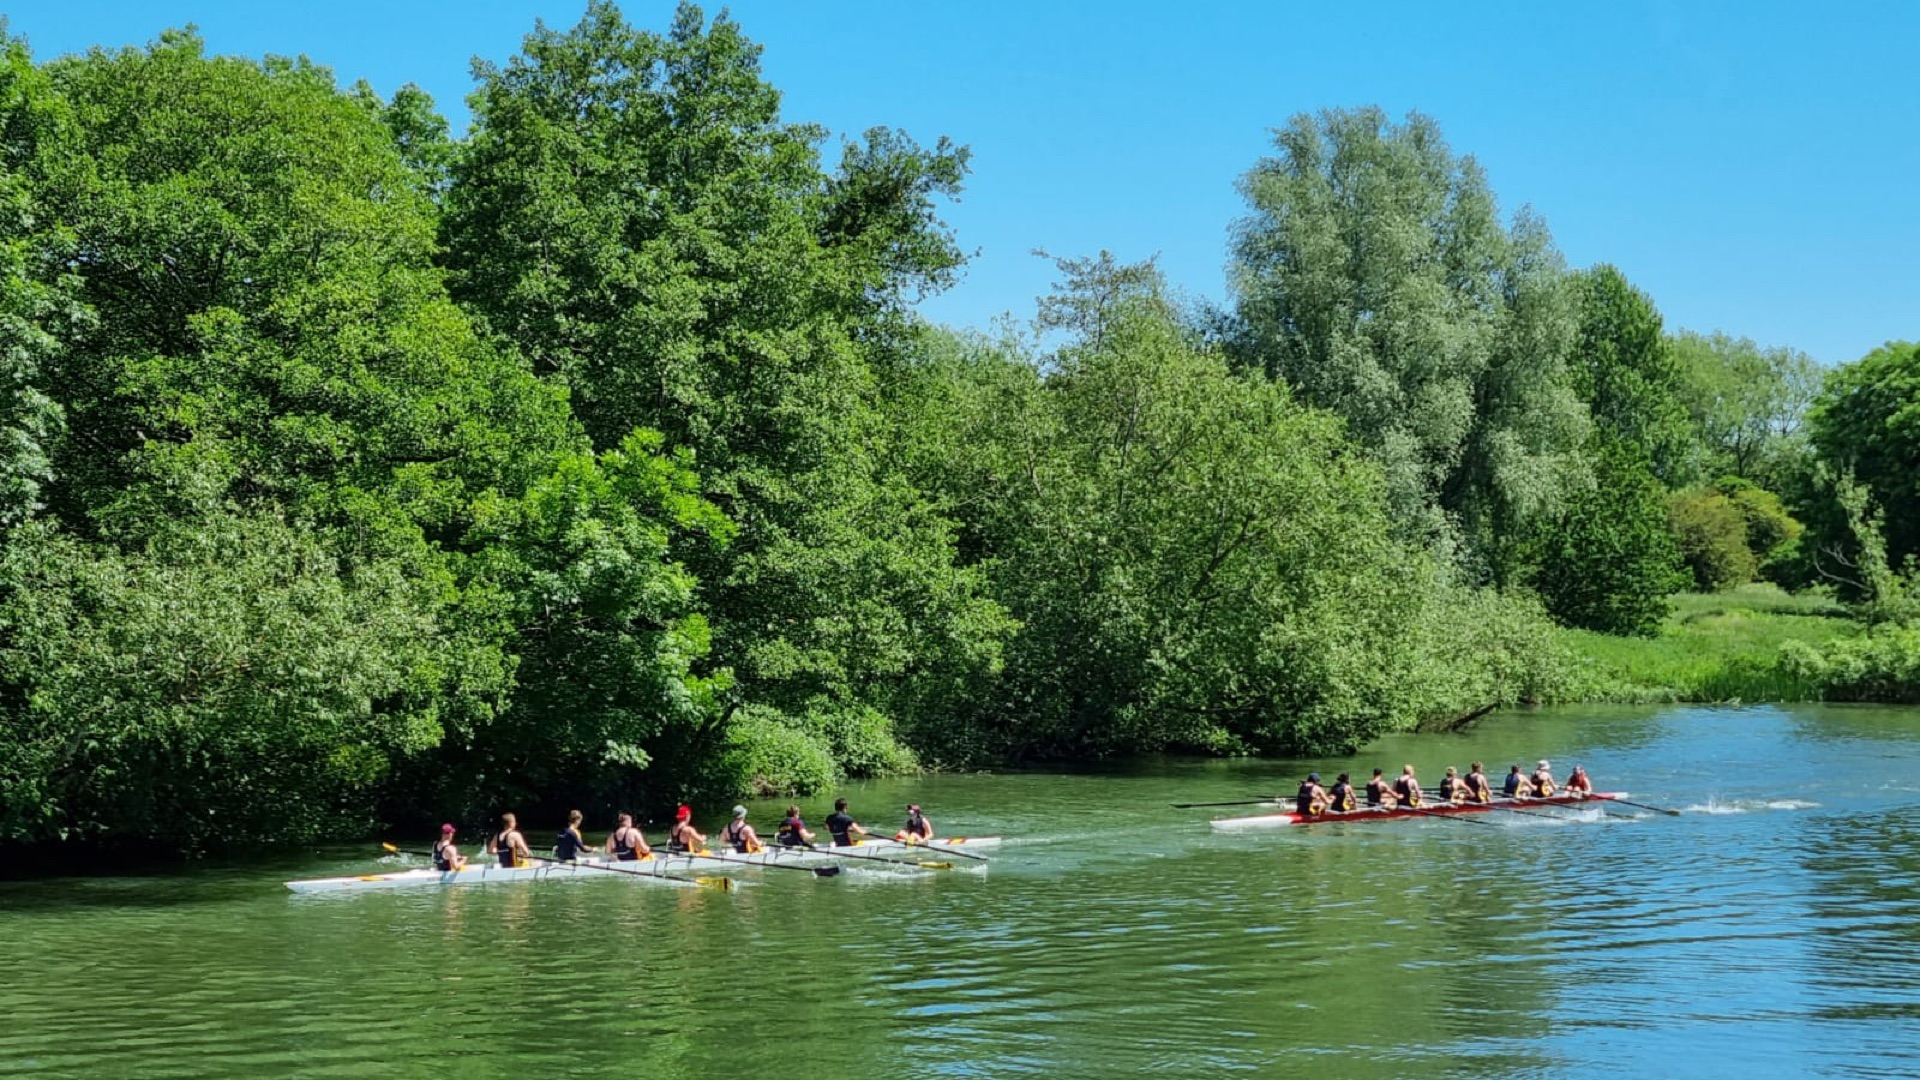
x=508, y=845
x=1312, y=799
x=445, y=855
x=1579, y=783
x=1379, y=792
x=683, y=837
x=842, y=827
x=569, y=845
x=1452, y=788
x=1407, y=788
x=1478, y=789
x=1542, y=780
x=1511, y=789
x=740, y=834
x=918, y=829
x=626, y=844
x=1340, y=797
x=793, y=831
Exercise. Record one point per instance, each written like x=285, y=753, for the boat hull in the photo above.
x=645, y=870
x=720, y=860
x=1272, y=821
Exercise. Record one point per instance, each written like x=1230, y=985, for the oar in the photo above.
x=1641, y=805
x=723, y=884
x=1425, y=812
x=1517, y=810
x=828, y=850
x=1234, y=802
x=816, y=871
x=946, y=850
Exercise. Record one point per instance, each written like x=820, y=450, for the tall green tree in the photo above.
x=266, y=370
x=1623, y=367
x=1747, y=403
x=1606, y=561
x=1866, y=422
x=1375, y=276
x=632, y=213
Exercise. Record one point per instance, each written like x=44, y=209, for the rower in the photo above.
x=740, y=834
x=683, y=837
x=445, y=855
x=1542, y=780
x=793, y=831
x=1511, y=789
x=1579, y=783
x=1312, y=799
x=1478, y=789
x=918, y=829
x=508, y=845
x=1452, y=788
x=1340, y=798
x=842, y=827
x=1407, y=788
x=569, y=845
x=626, y=844
x=1379, y=792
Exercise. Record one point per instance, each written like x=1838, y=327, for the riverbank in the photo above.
x=1713, y=647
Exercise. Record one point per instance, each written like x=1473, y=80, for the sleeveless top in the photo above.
x=441, y=860
x=736, y=834
x=503, y=848
x=623, y=849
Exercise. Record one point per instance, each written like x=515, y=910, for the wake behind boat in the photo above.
x=1444, y=809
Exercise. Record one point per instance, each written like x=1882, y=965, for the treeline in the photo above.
x=352, y=472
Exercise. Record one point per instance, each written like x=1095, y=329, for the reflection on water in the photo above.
x=1773, y=930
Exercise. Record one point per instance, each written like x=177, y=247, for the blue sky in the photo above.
x=1754, y=166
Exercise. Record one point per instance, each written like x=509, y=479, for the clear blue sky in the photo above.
x=1754, y=166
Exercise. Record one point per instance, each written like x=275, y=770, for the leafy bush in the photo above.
x=1711, y=532
x=767, y=755
x=860, y=738
x=1607, y=562
x=1882, y=665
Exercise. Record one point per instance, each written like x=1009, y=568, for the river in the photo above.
x=1771, y=930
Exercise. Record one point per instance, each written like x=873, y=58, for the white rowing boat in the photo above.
x=865, y=853
x=491, y=873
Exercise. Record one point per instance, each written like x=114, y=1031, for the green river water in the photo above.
x=1772, y=930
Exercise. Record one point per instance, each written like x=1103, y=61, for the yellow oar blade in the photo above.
x=721, y=883
x=390, y=848
x=935, y=865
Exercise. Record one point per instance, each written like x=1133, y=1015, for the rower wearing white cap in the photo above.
x=1542, y=780
x=740, y=834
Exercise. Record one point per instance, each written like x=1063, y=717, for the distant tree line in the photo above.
x=354, y=473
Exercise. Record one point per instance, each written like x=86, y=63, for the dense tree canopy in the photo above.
x=353, y=472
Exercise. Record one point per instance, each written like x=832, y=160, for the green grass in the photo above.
x=1713, y=647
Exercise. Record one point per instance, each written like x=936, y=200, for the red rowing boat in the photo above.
x=1268, y=821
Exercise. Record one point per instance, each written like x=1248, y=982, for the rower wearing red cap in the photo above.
x=683, y=836
x=918, y=829
x=445, y=855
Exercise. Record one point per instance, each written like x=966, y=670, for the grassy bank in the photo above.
x=1719, y=647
